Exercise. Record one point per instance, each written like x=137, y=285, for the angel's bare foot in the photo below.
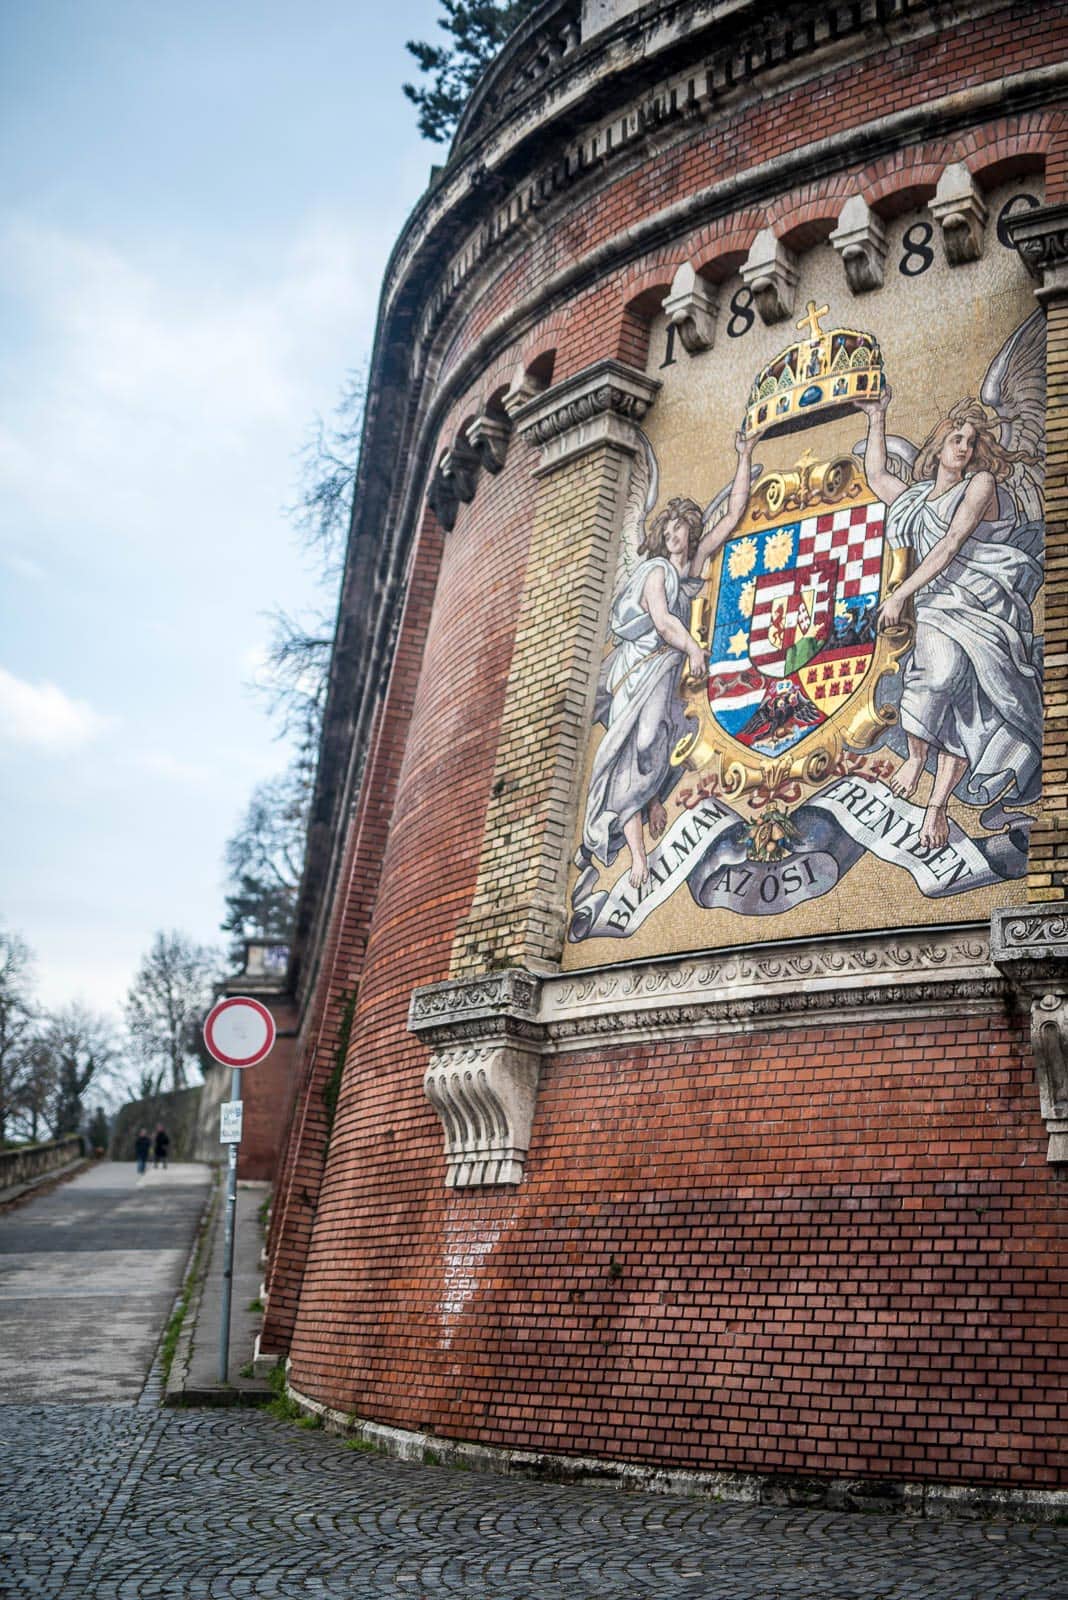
x=934, y=834
x=906, y=779
x=639, y=867
x=657, y=818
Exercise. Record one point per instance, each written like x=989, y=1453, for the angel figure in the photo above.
x=972, y=687
x=638, y=698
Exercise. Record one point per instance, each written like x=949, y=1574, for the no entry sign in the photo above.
x=239, y=1031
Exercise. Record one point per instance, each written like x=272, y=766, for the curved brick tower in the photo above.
x=684, y=928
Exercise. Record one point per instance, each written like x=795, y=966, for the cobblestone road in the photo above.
x=116, y=1502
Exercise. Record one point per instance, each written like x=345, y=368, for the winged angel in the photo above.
x=638, y=700
x=968, y=503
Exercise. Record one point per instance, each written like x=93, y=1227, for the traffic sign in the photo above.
x=239, y=1031
x=230, y=1113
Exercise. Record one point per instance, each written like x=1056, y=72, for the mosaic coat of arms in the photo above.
x=831, y=659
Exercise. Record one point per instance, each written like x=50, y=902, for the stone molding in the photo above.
x=1030, y=946
x=1041, y=238
x=488, y=1033
x=935, y=1500
x=603, y=404
x=961, y=213
x=860, y=240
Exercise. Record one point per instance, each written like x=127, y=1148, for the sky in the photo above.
x=197, y=202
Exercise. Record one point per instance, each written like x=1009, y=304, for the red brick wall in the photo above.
x=268, y=1092
x=830, y=1250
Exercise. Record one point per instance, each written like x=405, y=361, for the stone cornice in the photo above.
x=1041, y=238
x=604, y=403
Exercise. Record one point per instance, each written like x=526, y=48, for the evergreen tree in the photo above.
x=476, y=30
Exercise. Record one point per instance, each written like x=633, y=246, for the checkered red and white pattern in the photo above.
x=854, y=538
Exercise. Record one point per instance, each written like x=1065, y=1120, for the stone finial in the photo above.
x=771, y=272
x=1029, y=946
x=1040, y=235
x=961, y=213
x=488, y=435
x=691, y=307
x=860, y=240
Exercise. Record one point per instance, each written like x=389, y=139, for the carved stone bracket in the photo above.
x=860, y=240
x=771, y=271
x=602, y=404
x=483, y=1075
x=691, y=308
x=1041, y=237
x=1030, y=946
x=459, y=467
x=961, y=213
x=488, y=436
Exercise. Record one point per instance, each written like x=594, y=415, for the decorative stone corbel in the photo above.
x=442, y=499
x=602, y=404
x=1029, y=945
x=483, y=1075
x=1041, y=237
x=771, y=272
x=523, y=388
x=691, y=308
x=961, y=213
x=488, y=436
x=459, y=467
x=860, y=240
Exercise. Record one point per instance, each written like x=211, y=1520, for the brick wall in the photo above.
x=830, y=1250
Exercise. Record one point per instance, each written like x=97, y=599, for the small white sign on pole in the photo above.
x=230, y=1121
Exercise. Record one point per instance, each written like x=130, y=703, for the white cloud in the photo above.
x=23, y=566
x=41, y=714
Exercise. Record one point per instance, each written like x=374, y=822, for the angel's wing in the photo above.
x=1015, y=387
x=642, y=494
x=714, y=509
x=900, y=454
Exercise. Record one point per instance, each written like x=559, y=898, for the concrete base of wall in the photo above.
x=975, y=1502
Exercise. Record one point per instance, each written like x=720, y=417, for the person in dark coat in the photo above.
x=162, y=1145
x=142, y=1146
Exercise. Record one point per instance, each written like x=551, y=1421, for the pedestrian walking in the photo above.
x=162, y=1145
x=142, y=1146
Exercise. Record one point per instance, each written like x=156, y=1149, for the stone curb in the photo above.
x=964, y=1502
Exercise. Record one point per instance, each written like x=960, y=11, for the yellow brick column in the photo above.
x=585, y=433
x=1041, y=237
x=1030, y=943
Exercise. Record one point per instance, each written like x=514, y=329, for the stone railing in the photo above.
x=35, y=1160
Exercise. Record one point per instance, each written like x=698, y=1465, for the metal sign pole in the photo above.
x=228, y=1240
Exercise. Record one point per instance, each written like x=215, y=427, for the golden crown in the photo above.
x=819, y=377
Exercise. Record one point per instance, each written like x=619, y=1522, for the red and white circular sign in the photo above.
x=239, y=1031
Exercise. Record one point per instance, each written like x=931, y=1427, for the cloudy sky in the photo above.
x=196, y=205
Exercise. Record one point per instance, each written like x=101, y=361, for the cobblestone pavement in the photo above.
x=116, y=1502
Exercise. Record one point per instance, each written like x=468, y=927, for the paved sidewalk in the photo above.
x=126, y=1503
x=88, y=1276
x=196, y=1378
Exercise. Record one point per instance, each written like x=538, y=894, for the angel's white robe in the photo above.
x=973, y=683
x=638, y=700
